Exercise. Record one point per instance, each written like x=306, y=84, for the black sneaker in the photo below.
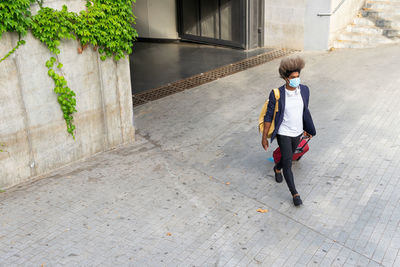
x=297, y=201
x=278, y=176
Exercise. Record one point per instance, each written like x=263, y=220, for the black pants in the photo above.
x=288, y=146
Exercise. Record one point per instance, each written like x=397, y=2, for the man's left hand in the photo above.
x=307, y=135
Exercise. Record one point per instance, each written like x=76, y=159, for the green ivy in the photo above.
x=66, y=97
x=108, y=25
x=15, y=16
x=20, y=42
x=105, y=24
x=51, y=26
x=2, y=146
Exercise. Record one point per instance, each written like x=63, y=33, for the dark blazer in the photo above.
x=308, y=124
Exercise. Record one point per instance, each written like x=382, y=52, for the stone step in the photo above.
x=382, y=23
x=355, y=44
x=379, y=14
x=390, y=33
x=384, y=1
x=364, y=29
x=383, y=5
x=377, y=23
x=395, y=24
x=351, y=44
x=365, y=38
x=363, y=22
x=391, y=11
x=387, y=32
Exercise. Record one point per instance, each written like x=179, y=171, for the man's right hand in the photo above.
x=264, y=143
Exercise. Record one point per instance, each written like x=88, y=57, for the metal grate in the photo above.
x=179, y=86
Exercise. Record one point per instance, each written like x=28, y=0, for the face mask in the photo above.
x=295, y=82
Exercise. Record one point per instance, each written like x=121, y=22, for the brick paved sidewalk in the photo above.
x=187, y=192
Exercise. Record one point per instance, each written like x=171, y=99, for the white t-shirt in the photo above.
x=292, y=124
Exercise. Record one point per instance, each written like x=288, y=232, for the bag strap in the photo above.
x=277, y=94
x=277, y=97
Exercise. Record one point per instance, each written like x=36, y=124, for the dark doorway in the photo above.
x=221, y=22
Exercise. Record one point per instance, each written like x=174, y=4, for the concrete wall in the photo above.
x=284, y=23
x=156, y=19
x=343, y=16
x=31, y=122
x=295, y=24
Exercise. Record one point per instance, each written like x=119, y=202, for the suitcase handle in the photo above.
x=303, y=138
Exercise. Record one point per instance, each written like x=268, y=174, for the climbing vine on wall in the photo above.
x=20, y=42
x=15, y=16
x=106, y=25
x=2, y=146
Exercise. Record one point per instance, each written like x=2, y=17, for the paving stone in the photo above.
x=118, y=207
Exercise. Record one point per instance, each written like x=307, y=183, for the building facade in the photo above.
x=247, y=24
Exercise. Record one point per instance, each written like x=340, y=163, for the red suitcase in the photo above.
x=301, y=149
